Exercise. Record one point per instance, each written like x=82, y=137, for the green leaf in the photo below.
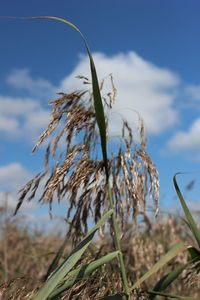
x=56, y=259
x=70, y=261
x=166, y=280
x=83, y=272
x=165, y=259
x=98, y=105
x=172, y=296
x=190, y=220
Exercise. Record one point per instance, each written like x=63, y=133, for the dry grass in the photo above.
x=27, y=260
x=77, y=173
x=25, y=255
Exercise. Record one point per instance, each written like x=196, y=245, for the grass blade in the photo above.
x=165, y=281
x=98, y=104
x=190, y=220
x=56, y=259
x=167, y=257
x=70, y=261
x=172, y=296
x=83, y=272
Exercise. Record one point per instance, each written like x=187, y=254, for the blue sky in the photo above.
x=151, y=48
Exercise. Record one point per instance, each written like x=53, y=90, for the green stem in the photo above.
x=117, y=243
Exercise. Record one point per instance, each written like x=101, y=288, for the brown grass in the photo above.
x=25, y=255
x=76, y=174
x=29, y=253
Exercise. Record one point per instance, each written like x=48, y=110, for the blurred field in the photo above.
x=25, y=255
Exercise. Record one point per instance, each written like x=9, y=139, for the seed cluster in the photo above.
x=77, y=172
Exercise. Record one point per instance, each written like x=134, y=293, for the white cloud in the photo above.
x=36, y=121
x=17, y=106
x=13, y=176
x=141, y=86
x=22, y=80
x=186, y=140
x=8, y=125
x=22, y=118
x=25, y=117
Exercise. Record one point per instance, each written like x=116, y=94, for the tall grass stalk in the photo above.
x=99, y=113
x=118, y=244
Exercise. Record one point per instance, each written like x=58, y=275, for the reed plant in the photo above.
x=111, y=188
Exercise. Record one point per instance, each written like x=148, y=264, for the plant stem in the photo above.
x=117, y=243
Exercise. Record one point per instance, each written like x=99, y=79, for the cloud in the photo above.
x=36, y=122
x=13, y=176
x=186, y=140
x=22, y=80
x=22, y=118
x=17, y=106
x=8, y=125
x=141, y=86
x=25, y=117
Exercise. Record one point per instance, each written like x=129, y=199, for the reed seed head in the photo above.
x=76, y=173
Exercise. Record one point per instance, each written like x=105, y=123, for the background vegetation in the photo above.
x=26, y=254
